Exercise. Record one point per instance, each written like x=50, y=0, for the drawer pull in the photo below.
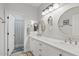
x=60, y=54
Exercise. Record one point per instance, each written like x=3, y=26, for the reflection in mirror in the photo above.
x=50, y=20
x=35, y=26
x=41, y=27
x=69, y=22
x=49, y=23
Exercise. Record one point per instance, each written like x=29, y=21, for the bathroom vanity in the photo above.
x=56, y=24
x=44, y=46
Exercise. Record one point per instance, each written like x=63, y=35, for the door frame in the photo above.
x=6, y=34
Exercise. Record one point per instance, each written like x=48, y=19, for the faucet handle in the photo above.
x=70, y=42
x=76, y=43
x=65, y=41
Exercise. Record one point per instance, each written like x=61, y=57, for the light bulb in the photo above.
x=50, y=8
x=55, y=6
x=43, y=13
x=46, y=11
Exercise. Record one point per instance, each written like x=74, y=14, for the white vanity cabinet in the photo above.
x=40, y=48
x=47, y=50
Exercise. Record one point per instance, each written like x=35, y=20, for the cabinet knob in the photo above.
x=60, y=54
x=40, y=49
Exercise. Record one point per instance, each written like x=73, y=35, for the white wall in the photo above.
x=55, y=32
x=23, y=10
x=2, y=43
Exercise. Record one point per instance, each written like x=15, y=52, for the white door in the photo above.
x=1, y=38
x=10, y=34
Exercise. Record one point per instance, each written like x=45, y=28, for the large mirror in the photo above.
x=69, y=22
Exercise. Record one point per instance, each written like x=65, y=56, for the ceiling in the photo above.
x=35, y=4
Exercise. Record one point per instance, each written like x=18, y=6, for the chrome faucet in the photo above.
x=70, y=40
x=65, y=41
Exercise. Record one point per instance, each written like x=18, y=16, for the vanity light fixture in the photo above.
x=43, y=12
x=50, y=8
x=46, y=10
x=55, y=6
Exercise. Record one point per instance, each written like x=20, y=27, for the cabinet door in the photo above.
x=67, y=54
x=47, y=50
x=34, y=47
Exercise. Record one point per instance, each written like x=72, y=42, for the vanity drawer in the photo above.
x=47, y=50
